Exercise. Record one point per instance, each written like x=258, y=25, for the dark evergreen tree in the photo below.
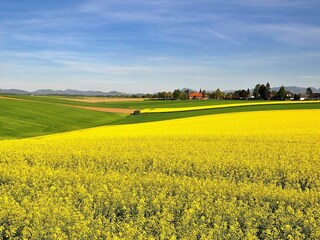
x=244, y=94
x=282, y=93
x=309, y=92
x=248, y=92
x=269, y=95
x=263, y=92
x=256, y=91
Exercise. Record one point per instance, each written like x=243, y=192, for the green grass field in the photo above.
x=47, y=115
x=131, y=104
x=19, y=119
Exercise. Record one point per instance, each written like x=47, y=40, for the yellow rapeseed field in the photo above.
x=182, y=109
x=253, y=175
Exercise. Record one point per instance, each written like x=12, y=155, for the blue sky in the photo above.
x=155, y=45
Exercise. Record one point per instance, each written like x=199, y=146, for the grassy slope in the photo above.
x=166, y=103
x=131, y=104
x=20, y=119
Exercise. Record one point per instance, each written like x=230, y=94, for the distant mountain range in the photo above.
x=293, y=89
x=63, y=92
x=297, y=90
x=73, y=92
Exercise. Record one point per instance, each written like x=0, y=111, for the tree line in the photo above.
x=260, y=92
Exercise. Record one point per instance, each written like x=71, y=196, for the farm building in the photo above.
x=313, y=96
x=304, y=96
x=195, y=95
x=316, y=96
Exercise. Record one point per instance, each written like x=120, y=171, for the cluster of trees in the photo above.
x=176, y=94
x=161, y=95
x=309, y=94
x=264, y=92
x=184, y=94
x=260, y=92
x=239, y=94
x=218, y=94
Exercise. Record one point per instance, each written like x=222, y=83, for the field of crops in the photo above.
x=252, y=175
x=30, y=116
x=224, y=105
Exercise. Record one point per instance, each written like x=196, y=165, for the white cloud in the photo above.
x=297, y=34
x=224, y=37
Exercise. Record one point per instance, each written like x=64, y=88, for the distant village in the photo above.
x=260, y=92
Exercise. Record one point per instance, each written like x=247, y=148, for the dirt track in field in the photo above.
x=18, y=99
x=109, y=110
x=104, y=99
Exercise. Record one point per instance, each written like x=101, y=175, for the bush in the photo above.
x=136, y=112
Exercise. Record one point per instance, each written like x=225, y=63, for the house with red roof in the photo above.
x=195, y=95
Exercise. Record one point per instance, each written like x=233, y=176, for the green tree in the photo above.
x=244, y=94
x=256, y=91
x=212, y=95
x=218, y=94
x=162, y=95
x=268, y=86
x=176, y=94
x=168, y=95
x=282, y=93
x=236, y=94
x=183, y=96
x=269, y=95
x=296, y=97
x=263, y=92
x=229, y=95
x=309, y=91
